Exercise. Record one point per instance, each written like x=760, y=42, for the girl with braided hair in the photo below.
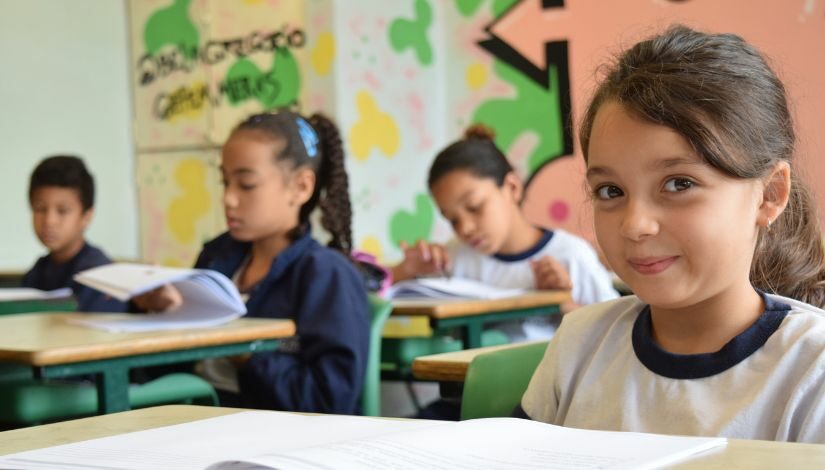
x=277, y=167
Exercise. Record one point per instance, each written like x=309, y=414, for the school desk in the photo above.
x=11, y=278
x=470, y=316
x=738, y=454
x=452, y=366
x=55, y=348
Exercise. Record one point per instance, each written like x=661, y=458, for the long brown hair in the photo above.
x=313, y=142
x=720, y=94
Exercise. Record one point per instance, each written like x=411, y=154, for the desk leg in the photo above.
x=113, y=390
x=472, y=334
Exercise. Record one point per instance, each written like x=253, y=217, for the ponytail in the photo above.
x=336, y=209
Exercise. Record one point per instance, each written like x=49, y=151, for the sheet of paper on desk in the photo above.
x=209, y=297
x=449, y=288
x=9, y=294
x=260, y=439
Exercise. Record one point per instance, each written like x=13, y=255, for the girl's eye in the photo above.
x=675, y=185
x=608, y=192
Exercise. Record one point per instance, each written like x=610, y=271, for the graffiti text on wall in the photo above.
x=151, y=67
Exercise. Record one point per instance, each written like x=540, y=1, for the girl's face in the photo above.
x=261, y=199
x=479, y=210
x=674, y=228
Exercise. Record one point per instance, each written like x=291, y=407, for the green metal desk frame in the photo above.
x=113, y=374
x=471, y=326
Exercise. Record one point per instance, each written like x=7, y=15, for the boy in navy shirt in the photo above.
x=61, y=194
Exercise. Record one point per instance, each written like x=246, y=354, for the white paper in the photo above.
x=448, y=288
x=261, y=439
x=8, y=294
x=209, y=297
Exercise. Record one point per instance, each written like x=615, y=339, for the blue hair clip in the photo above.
x=308, y=135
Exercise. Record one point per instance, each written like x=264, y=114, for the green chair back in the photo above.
x=496, y=381
x=380, y=310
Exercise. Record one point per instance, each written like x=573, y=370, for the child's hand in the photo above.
x=550, y=274
x=420, y=259
x=162, y=299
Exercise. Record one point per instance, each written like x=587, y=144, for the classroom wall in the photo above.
x=64, y=89
x=402, y=79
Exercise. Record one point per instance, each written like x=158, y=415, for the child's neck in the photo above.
x=267, y=249
x=522, y=236
x=707, y=326
x=66, y=254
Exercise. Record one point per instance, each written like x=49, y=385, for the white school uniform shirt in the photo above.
x=591, y=281
x=602, y=370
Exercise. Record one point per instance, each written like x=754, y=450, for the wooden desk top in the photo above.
x=452, y=366
x=739, y=454
x=43, y=339
x=448, y=308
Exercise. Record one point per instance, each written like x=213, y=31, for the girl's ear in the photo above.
x=303, y=184
x=514, y=186
x=775, y=194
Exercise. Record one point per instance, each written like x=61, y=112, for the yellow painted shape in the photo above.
x=187, y=103
x=407, y=327
x=374, y=128
x=323, y=54
x=193, y=202
x=476, y=76
x=372, y=245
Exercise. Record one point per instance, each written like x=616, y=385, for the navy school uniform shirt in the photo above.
x=49, y=275
x=321, y=369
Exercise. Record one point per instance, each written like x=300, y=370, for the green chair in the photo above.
x=380, y=310
x=30, y=401
x=398, y=354
x=496, y=381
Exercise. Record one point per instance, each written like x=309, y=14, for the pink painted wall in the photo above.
x=790, y=32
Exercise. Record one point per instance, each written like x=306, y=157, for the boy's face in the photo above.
x=59, y=219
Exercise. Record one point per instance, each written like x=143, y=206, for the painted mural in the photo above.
x=404, y=78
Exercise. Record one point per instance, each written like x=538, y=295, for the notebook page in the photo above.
x=441, y=287
x=8, y=294
x=501, y=443
x=198, y=444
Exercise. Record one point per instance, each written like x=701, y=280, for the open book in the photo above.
x=448, y=288
x=27, y=293
x=268, y=439
x=209, y=297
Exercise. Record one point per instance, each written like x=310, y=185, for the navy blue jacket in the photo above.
x=322, y=369
x=48, y=275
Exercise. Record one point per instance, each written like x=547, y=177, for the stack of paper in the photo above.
x=265, y=439
x=209, y=297
x=449, y=288
x=26, y=293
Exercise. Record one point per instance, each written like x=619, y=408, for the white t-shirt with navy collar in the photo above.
x=591, y=281
x=603, y=370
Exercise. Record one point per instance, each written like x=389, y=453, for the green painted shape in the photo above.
x=500, y=6
x=284, y=71
x=467, y=7
x=412, y=34
x=172, y=25
x=534, y=108
x=411, y=227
